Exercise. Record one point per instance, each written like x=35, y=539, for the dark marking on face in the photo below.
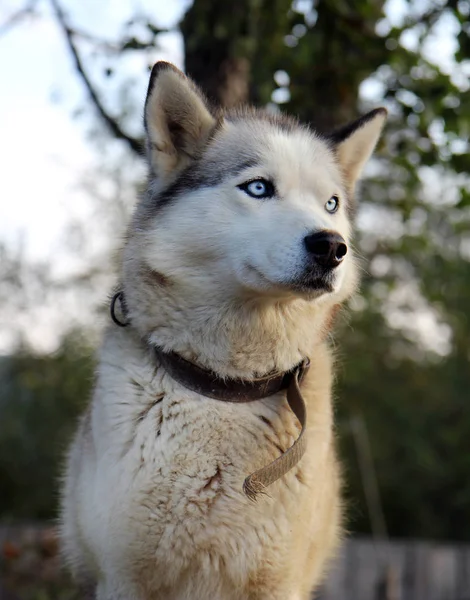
x=209, y=168
x=153, y=277
x=202, y=174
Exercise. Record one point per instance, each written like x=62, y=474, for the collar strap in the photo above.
x=259, y=480
x=208, y=383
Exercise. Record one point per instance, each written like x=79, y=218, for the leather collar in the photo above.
x=208, y=383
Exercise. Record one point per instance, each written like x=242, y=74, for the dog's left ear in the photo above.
x=355, y=143
x=177, y=120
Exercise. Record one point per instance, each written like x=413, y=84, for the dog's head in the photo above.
x=247, y=204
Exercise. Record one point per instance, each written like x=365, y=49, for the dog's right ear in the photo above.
x=177, y=120
x=355, y=143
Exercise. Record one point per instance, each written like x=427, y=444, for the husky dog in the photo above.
x=237, y=256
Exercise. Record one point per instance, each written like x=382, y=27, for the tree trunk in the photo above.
x=232, y=50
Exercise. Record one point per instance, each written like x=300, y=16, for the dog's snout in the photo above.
x=327, y=247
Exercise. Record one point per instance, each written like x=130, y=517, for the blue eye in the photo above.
x=333, y=204
x=258, y=188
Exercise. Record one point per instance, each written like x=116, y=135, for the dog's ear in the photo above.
x=355, y=143
x=177, y=120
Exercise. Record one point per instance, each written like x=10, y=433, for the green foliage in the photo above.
x=418, y=424
x=41, y=397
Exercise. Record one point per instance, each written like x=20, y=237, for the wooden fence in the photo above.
x=407, y=570
x=399, y=570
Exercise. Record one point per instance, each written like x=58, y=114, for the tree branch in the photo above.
x=16, y=17
x=134, y=144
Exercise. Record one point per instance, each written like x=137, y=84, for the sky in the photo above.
x=44, y=150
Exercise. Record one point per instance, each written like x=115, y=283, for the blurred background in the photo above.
x=74, y=77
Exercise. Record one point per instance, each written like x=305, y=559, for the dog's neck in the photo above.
x=243, y=338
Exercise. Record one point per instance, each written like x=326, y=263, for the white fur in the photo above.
x=142, y=514
x=153, y=506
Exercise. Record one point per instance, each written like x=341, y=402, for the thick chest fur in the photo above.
x=160, y=478
x=177, y=466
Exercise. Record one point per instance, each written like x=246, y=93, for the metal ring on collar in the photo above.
x=112, y=309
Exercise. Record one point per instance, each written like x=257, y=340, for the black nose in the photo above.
x=327, y=247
